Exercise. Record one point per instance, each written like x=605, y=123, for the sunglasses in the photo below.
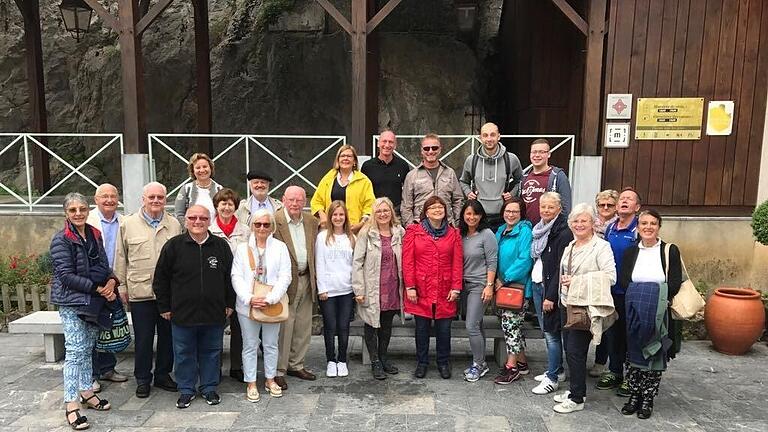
x=198, y=218
x=262, y=224
x=430, y=148
x=606, y=205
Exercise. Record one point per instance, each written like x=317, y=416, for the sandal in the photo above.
x=80, y=423
x=102, y=405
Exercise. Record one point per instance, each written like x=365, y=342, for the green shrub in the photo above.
x=760, y=223
x=25, y=269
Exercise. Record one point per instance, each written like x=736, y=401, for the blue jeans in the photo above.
x=336, y=313
x=442, y=339
x=552, y=340
x=102, y=363
x=197, y=351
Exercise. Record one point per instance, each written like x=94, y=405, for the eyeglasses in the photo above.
x=436, y=207
x=430, y=148
x=539, y=152
x=511, y=211
x=155, y=197
x=606, y=205
x=262, y=224
x=383, y=211
x=198, y=218
x=75, y=210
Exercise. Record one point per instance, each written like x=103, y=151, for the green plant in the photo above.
x=25, y=269
x=760, y=223
x=271, y=10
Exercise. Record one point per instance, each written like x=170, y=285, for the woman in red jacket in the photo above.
x=432, y=271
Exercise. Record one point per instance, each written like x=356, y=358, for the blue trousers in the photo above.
x=553, y=340
x=79, y=340
x=102, y=363
x=146, y=319
x=442, y=339
x=197, y=351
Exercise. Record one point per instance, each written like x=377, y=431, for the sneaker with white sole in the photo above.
x=560, y=398
x=341, y=369
x=96, y=386
x=475, y=372
x=560, y=377
x=568, y=406
x=331, y=371
x=545, y=387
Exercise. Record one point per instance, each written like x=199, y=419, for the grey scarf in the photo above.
x=541, y=237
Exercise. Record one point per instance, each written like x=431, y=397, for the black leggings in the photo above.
x=377, y=339
x=336, y=316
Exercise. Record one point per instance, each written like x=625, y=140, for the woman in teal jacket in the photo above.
x=515, y=263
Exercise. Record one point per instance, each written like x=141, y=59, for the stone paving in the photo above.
x=702, y=391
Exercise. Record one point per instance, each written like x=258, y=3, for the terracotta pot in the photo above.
x=734, y=318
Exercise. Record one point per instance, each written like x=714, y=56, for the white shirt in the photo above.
x=334, y=264
x=648, y=266
x=204, y=199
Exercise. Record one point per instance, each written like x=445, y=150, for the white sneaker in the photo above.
x=568, y=406
x=560, y=377
x=597, y=370
x=331, y=371
x=545, y=387
x=341, y=369
x=96, y=386
x=562, y=397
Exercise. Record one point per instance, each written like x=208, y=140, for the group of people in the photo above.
x=379, y=241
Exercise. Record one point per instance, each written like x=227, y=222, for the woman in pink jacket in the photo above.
x=432, y=271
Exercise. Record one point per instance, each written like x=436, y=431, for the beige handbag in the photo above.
x=688, y=302
x=273, y=313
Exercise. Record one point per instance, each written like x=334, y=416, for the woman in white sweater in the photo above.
x=333, y=258
x=272, y=267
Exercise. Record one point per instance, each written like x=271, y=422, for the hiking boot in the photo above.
x=632, y=405
x=646, y=409
x=608, y=381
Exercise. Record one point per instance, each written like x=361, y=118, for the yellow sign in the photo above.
x=669, y=118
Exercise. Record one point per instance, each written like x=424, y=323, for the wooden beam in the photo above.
x=337, y=16
x=593, y=80
x=203, y=74
x=30, y=11
x=572, y=15
x=359, y=74
x=105, y=16
x=372, y=82
x=152, y=15
x=132, y=68
x=380, y=15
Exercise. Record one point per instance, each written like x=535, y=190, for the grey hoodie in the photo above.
x=490, y=175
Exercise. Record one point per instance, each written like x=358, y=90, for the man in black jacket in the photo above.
x=194, y=291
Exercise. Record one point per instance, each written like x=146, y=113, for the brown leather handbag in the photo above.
x=511, y=297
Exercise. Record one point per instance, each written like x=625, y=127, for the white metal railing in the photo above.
x=246, y=141
x=471, y=140
x=33, y=199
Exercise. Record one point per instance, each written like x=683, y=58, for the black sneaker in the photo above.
x=142, y=391
x=212, y=398
x=523, y=368
x=184, y=401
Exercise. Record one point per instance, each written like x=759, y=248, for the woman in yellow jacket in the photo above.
x=346, y=183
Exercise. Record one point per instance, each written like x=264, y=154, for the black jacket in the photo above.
x=674, y=280
x=559, y=237
x=192, y=281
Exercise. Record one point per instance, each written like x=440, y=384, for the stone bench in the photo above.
x=47, y=323
x=491, y=325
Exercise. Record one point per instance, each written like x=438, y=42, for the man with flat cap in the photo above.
x=258, y=184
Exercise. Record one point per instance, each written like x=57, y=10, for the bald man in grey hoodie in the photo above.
x=491, y=175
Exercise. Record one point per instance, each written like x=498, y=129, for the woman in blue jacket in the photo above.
x=81, y=277
x=515, y=263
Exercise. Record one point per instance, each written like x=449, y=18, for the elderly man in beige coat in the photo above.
x=298, y=230
x=141, y=237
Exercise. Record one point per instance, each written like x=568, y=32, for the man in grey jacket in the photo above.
x=491, y=175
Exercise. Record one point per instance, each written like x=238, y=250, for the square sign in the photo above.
x=617, y=135
x=618, y=106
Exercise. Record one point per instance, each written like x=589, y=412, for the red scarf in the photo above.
x=227, y=228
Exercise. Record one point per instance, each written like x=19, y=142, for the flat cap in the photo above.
x=261, y=175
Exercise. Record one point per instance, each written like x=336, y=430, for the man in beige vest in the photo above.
x=297, y=229
x=139, y=241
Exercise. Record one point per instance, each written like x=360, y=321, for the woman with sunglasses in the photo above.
x=272, y=267
x=605, y=202
x=344, y=182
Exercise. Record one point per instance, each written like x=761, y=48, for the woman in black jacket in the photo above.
x=550, y=237
x=651, y=279
x=82, y=283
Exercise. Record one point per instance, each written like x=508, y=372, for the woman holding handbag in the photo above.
x=480, y=261
x=432, y=270
x=651, y=269
x=514, y=271
x=377, y=279
x=333, y=258
x=587, y=273
x=550, y=237
x=263, y=260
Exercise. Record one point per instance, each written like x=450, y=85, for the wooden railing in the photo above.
x=26, y=298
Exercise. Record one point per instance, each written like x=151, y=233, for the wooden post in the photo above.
x=30, y=11
x=203, y=74
x=134, y=127
x=372, y=83
x=359, y=74
x=593, y=82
